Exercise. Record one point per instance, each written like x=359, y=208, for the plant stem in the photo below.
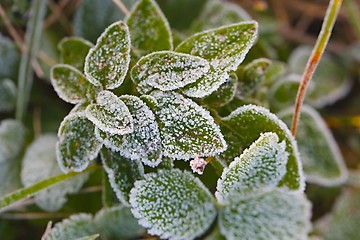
x=314, y=59
x=32, y=42
x=353, y=13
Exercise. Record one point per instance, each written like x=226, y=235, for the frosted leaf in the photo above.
x=187, y=130
x=122, y=173
x=150, y=30
x=321, y=157
x=144, y=143
x=117, y=223
x=40, y=163
x=8, y=95
x=260, y=167
x=76, y=226
x=224, y=94
x=244, y=125
x=90, y=237
x=79, y=108
x=71, y=85
x=225, y=47
x=107, y=63
x=110, y=114
x=73, y=51
x=173, y=204
x=272, y=215
x=77, y=144
x=168, y=70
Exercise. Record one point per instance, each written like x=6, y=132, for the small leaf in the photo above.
x=273, y=215
x=144, y=143
x=244, y=125
x=122, y=173
x=78, y=144
x=150, y=30
x=168, y=70
x=8, y=95
x=170, y=209
x=117, y=223
x=71, y=85
x=107, y=63
x=260, y=167
x=187, y=130
x=110, y=114
x=320, y=154
x=40, y=163
x=74, y=227
x=73, y=51
x=283, y=91
x=224, y=47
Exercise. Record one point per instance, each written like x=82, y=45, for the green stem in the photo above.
x=314, y=59
x=32, y=42
x=353, y=13
x=31, y=190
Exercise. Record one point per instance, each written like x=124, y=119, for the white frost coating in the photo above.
x=167, y=70
x=173, y=204
x=110, y=114
x=313, y=162
x=107, y=63
x=257, y=110
x=40, y=163
x=274, y=215
x=74, y=227
x=261, y=166
x=187, y=130
x=77, y=143
x=198, y=165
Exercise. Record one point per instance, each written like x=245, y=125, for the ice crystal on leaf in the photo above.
x=259, y=168
x=110, y=114
x=173, y=204
x=73, y=51
x=187, y=130
x=77, y=144
x=168, y=70
x=107, y=63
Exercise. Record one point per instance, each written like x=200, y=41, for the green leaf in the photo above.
x=244, y=125
x=150, y=31
x=117, y=223
x=168, y=70
x=320, y=154
x=283, y=92
x=10, y=58
x=90, y=237
x=77, y=144
x=71, y=85
x=173, y=204
x=259, y=168
x=144, y=143
x=187, y=130
x=107, y=63
x=122, y=173
x=110, y=114
x=73, y=51
x=8, y=95
x=40, y=163
x=273, y=215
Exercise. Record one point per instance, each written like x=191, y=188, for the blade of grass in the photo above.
x=314, y=59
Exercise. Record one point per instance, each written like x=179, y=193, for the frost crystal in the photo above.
x=259, y=167
x=198, y=165
x=173, y=204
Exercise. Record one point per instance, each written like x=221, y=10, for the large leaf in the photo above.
x=122, y=173
x=77, y=144
x=259, y=168
x=173, y=204
x=187, y=130
x=168, y=70
x=71, y=85
x=107, y=63
x=320, y=154
x=8, y=95
x=40, y=163
x=10, y=58
x=244, y=125
x=150, y=31
x=110, y=114
x=272, y=215
x=144, y=143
